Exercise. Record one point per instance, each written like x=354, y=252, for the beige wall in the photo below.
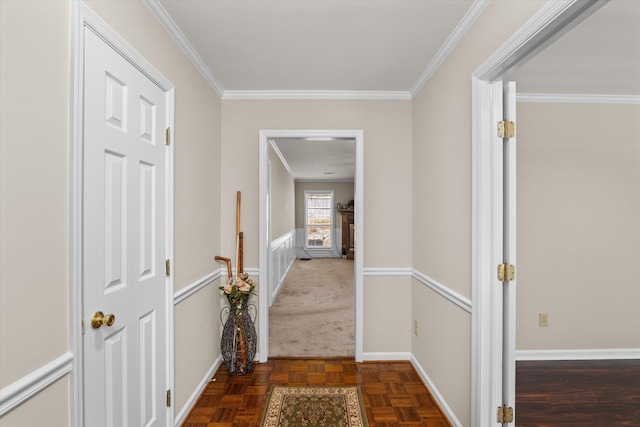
x=441, y=198
x=578, y=226
x=417, y=202
x=33, y=186
x=387, y=171
x=34, y=198
x=282, y=197
x=387, y=183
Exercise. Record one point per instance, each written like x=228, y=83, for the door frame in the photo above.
x=83, y=19
x=550, y=23
x=264, y=221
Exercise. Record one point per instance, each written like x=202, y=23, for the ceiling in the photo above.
x=378, y=49
x=316, y=45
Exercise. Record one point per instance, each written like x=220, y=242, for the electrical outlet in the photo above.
x=415, y=327
x=543, y=320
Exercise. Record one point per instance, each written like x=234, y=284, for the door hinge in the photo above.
x=167, y=268
x=506, y=272
x=506, y=129
x=505, y=414
x=168, y=398
x=167, y=138
x=82, y=326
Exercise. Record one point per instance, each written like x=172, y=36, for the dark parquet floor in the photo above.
x=559, y=394
x=392, y=392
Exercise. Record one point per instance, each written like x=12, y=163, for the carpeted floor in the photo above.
x=313, y=315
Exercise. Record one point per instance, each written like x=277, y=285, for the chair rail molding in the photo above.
x=33, y=383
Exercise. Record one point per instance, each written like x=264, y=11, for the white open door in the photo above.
x=124, y=285
x=509, y=251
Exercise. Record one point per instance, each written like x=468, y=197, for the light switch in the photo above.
x=543, y=320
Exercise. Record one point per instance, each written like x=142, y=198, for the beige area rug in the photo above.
x=314, y=406
x=313, y=315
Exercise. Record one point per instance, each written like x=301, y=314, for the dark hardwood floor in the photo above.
x=392, y=392
x=595, y=393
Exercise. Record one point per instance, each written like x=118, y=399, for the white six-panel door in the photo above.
x=124, y=248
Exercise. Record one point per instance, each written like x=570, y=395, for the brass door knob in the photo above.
x=100, y=319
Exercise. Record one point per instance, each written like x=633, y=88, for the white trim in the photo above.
x=276, y=150
x=194, y=287
x=384, y=356
x=167, y=22
x=448, y=293
x=263, y=230
x=279, y=241
x=25, y=388
x=76, y=108
x=387, y=271
x=578, y=98
x=82, y=18
x=283, y=255
x=193, y=399
x=586, y=354
x=451, y=416
x=317, y=94
x=449, y=45
x=325, y=180
x=552, y=21
x=486, y=254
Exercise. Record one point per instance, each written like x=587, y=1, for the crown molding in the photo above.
x=454, y=38
x=578, y=98
x=276, y=149
x=172, y=28
x=316, y=94
x=177, y=35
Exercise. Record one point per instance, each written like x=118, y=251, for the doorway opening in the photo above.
x=264, y=228
x=553, y=20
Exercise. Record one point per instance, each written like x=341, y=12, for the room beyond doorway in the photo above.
x=264, y=223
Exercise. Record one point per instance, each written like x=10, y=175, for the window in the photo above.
x=318, y=207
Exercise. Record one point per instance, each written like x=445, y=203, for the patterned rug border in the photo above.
x=273, y=408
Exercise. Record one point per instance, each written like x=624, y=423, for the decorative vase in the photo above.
x=239, y=339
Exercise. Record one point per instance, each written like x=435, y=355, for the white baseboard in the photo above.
x=448, y=412
x=588, y=354
x=370, y=356
x=197, y=392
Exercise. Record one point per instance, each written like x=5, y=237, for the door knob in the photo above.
x=100, y=319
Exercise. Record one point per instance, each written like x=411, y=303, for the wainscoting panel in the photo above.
x=283, y=254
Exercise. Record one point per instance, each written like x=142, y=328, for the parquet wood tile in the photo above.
x=392, y=392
